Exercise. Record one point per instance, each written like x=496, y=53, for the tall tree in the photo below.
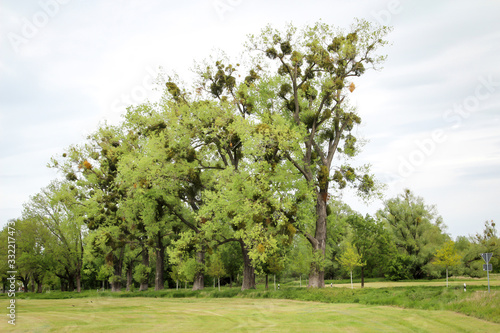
x=316, y=67
x=164, y=176
x=92, y=168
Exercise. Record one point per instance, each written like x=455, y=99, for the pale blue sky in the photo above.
x=67, y=65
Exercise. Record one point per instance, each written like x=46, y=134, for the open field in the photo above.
x=237, y=315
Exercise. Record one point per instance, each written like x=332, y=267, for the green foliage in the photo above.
x=216, y=266
x=350, y=258
x=447, y=256
x=141, y=272
x=417, y=232
x=373, y=242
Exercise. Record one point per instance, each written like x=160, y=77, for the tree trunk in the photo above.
x=317, y=274
x=116, y=284
x=267, y=281
x=352, y=287
x=78, y=282
x=71, y=283
x=37, y=283
x=199, y=282
x=129, y=276
x=63, y=285
x=218, y=282
x=362, y=276
x=248, y=269
x=145, y=261
x=160, y=263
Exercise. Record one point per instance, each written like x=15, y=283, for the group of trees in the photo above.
x=232, y=177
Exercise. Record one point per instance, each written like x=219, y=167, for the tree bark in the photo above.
x=248, y=269
x=129, y=276
x=37, y=280
x=199, y=282
x=160, y=263
x=78, y=282
x=116, y=284
x=145, y=261
x=317, y=274
x=267, y=281
x=362, y=276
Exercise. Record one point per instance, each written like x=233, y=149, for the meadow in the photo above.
x=424, y=306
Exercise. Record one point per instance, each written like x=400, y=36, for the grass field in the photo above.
x=411, y=306
x=236, y=315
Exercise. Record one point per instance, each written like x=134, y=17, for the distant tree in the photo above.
x=175, y=274
x=417, y=231
x=337, y=232
x=232, y=260
x=350, y=259
x=372, y=241
x=299, y=259
x=58, y=209
x=216, y=268
x=447, y=257
x=488, y=242
x=31, y=261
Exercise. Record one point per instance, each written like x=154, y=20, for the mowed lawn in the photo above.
x=231, y=315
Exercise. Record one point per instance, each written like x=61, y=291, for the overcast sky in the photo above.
x=432, y=115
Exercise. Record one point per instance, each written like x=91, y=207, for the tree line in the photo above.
x=234, y=177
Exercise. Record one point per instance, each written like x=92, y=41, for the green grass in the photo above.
x=45, y=312
x=475, y=302
x=110, y=314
